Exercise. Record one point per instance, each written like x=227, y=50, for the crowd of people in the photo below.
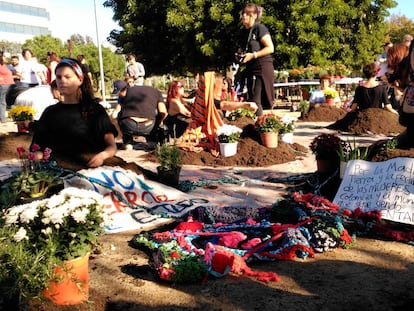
x=77, y=126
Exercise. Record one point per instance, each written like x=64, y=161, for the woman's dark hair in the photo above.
x=251, y=7
x=370, y=70
x=229, y=84
x=1, y=57
x=87, y=97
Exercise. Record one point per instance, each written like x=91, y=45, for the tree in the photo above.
x=114, y=64
x=195, y=35
x=398, y=26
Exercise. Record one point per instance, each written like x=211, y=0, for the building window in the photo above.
x=24, y=29
x=23, y=9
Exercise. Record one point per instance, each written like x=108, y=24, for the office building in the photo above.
x=21, y=20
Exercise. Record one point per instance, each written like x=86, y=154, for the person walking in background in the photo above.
x=6, y=79
x=77, y=129
x=52, y=61
x=31, y=71
x=256, y=54
x=86, y=68
x=135, y=70
x=15, y=69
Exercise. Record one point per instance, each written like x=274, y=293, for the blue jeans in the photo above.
x=3, y=106
x=130, y=128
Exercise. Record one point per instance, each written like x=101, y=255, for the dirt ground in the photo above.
x=374, y=274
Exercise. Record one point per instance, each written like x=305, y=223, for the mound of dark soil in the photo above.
x=369, y=121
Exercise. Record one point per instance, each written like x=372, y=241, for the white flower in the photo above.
x=29, y=214
x=228, y=129
x=21, y=234
x=288, y=119
x=80, y=215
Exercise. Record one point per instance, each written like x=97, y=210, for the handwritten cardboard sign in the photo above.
x=135, y=202
x=386, y=186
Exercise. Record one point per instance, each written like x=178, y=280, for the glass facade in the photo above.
x=23, y=9
x=22, y=20
x=24, y=29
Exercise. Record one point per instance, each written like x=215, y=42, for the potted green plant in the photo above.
x=326, y=149
x=268, y=126
x=303, y=108
x=350, y=151
x=41, y=239
x=35, y=178
x=22, y=115
x=286, y=131
x=330, y=95
x=240, y=113
x=228, y=136
x=170, y=159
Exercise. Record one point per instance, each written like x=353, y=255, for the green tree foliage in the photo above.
x=114, y=64
x=195, y=35
x=398, y=26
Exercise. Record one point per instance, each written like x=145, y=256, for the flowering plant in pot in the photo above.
x=286, y=131
x=330, y=93
x=268, y=126
x=21, y=113
x=41, y=235
x=268, y=123
x=228, y=133
x=326, y=146
x=36, y=177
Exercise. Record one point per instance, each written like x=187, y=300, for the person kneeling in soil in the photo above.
x=76, y=129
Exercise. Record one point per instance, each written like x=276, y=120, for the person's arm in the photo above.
x=116, y=111
x=389, y=108
x=230, y=105
x=162, y=111
x=110, y=150
x=268, y=48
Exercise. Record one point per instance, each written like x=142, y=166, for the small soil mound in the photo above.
x=369, y=121
x=324, y=113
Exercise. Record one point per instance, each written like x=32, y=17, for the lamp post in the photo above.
x=100, y=56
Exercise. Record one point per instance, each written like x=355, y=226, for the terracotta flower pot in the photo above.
x=72, y=282
x=23, y=126
x=269, y=139
x=329, y=101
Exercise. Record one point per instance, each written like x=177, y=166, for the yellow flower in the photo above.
x=330, y=93
x=21, y=113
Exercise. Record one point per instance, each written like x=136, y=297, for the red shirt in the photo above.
x=6, y=76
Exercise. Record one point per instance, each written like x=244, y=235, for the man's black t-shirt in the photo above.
x=141, y=101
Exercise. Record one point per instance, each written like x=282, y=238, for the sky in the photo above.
x=404, y=7
x=70, y=17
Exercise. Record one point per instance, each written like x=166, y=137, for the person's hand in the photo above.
x=252, y=106
x=248, y=57
x=97, y=160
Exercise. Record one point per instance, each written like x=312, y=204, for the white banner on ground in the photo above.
x=386, y=186
x=136, y=203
